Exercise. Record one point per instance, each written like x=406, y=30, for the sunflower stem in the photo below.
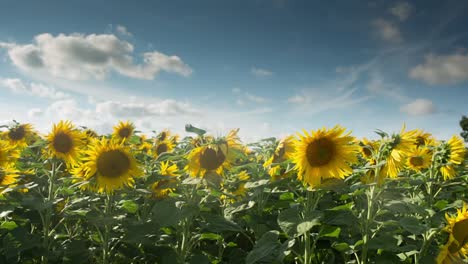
x=365, y=237
x=105, y=235
x=48, y=211
x=312, y=200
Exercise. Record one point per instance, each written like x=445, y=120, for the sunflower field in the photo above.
x=320, y=196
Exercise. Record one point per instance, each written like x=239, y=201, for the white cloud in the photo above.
x=259, y=72
x=35, y=112
x=419, y=107
x=256, y=98
x=387, y=31
x=123, y=31
x=167, y=107
x=32, y=89
x=236, y=90
x=401, y=10
x=80, y=57
x=442, y=69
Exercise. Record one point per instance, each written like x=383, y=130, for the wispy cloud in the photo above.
x=259, y=72
x=442, y=69
x=17, y=86
x=387, y=31
x=419, y=107
x=401, y=10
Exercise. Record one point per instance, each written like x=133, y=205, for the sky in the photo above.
x=268, y=67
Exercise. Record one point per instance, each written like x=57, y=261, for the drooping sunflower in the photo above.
x=164, y=187
x=423, y=139
x=324, y=153
x=419, y=159
x=400, y=146
x=457, y=245
x=455, y=153
x=64, y=142
x=18, y=135
x=166, y=135
x=162, y=147
x=123, y=130
x=214, y=156
x=284, y=151
x=367, y=148
x=145, y=146
x=108, y=166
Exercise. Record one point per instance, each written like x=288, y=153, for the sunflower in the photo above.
x=162, y=147
x=324, y=154
x=455, y=153
x=108, y=166
x=418, y=159
x=164, y=187
x=284, y=151
x=243, y=176
x=19, y=135
x=215, y=156
x=8, y=176
x=145, y=146
x=400, y=146
x=123, y=130
x=367, y=148
x=423, y=139
x=167, y=135
x=65, y=142
x=457, y=244
x=8, y=153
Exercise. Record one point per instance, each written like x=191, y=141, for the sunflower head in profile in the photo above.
x=19, y=135
x=64, y=142
x=123, y=130
x=453, y=154
x=398, y=148
x=456, y=247
x=324, y=153
x=145, y=145
x=423, y=139
x=161, y=147
x=367, y=148
x=162, y=188
x=214, y=156
x=283, y=152
x=108, y=166
x=419, y=159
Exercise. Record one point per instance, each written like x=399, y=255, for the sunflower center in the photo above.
x=162, y=136
x=420, y=141
x=17, y=133
x=320, y=152
x=416, y=161
x=63, y=143
x=161, y=148
x=211, y=159
x=366, y=151
x=113, y=164
x=460, y=233
x=125, y=132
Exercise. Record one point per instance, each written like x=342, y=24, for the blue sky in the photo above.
x=268, y=67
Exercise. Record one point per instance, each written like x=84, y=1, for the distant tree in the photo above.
x=464, y=126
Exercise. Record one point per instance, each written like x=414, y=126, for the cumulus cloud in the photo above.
x=32, y=89
x=34, y=112
x=442, y=69
x=419, y=107
x=259, y=72
x=401, y=10
x=387, y=31
x=80, y=57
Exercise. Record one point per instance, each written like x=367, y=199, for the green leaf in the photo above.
x=192, y=129
x=266, y=249
x=165, y=213
x=8, y=225
x=217, y=224
x=412, y=225
x=294, y=225
x=5, y=213
x=286, y=196
x=129, y=206
x=210, y=236
x=330, y=231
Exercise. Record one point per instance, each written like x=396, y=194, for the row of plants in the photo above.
x=320, y=196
